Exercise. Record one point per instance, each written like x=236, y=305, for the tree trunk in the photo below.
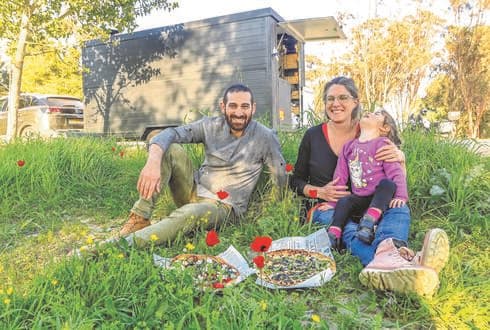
x=16, y=79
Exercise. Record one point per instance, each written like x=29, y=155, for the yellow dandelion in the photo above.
x=10, y=291
x=189, y=246
x=83, y=248
x=205, y=220
x=90, y=240
x=263, y=305
x=6, y=301
x=120, y=255
x=295, y=219
x=153, y=238
x=54, y=282
x=316, y=318
x=208, y=213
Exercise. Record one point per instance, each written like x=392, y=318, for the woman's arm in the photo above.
x=391, y=153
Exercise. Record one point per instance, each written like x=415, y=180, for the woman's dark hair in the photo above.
x=393, y=133
x=351, y=87
x=238, y=88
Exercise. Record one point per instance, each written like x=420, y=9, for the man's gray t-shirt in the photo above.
x=231, y=164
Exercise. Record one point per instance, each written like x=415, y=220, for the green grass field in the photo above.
x=74, y=192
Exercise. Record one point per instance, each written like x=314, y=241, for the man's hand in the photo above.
x=390, y=153
x=331, y=192
x=396, y=202
x=149, y=180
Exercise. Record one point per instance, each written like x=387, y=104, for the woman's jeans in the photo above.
x=394, y=224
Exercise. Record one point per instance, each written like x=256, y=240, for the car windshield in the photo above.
x=64, y=102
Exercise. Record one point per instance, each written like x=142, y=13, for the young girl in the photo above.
x=376, y=185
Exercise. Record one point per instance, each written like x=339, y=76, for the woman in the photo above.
x=387, y=259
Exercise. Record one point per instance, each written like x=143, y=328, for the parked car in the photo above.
x=44, y=115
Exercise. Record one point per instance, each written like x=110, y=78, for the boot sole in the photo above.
x=435, y=251
x=421, y=280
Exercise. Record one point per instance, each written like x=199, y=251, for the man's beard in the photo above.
x=240, y=126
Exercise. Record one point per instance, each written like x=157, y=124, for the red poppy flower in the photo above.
x=212, y=238
x=259, y=261
x=261, y=243
x=21, y=162
x=222, y=194
x=289, y=168
x=121, y=154
x=218, y=285
x=113, y=149
x=313, y=193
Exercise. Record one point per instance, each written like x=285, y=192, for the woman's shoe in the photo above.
x=389, y=270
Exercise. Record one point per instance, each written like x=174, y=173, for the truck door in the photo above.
x=291, y=37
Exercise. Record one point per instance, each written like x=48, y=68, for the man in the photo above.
x=236, y=148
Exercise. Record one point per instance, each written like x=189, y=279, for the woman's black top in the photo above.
x=316, y=161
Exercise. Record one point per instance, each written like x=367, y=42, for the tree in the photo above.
x=60, y=72
x=468, y=63
x=438, y=94
x=41, y=21
x=317, y=76
x=389, y=59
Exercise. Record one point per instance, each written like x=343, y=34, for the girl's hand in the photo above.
x=396, y=202
x=324, y=206
x=390, y=153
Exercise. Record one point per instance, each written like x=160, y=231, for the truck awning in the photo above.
x=314, y=29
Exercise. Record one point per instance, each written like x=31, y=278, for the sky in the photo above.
x=190, y=10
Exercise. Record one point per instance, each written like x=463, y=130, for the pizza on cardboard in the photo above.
x=286, y=263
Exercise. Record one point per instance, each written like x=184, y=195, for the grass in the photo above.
x=72, y=192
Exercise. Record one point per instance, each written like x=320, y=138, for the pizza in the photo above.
x=210, y=271
x=290, y=267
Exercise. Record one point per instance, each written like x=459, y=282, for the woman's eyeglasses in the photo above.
x=341, y=98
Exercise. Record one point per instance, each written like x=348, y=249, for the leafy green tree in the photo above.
x=438, y=95
x=39, y=21
x=60, y=72
x=389, y=59
x=468, y=63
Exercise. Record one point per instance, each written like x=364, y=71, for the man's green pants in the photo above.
x=192, y=211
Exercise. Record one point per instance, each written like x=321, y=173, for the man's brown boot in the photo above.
x=134, y=223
